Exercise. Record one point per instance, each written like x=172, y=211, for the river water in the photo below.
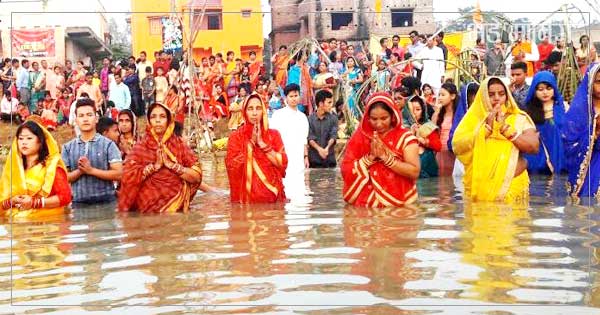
x=311, y=256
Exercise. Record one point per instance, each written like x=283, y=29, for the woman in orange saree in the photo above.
x=280, y=64
x=256, y=159
x=381, y=163
x=161, y=173
x=174, y=102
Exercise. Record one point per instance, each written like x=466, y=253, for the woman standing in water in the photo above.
x=427, y=134
x=256, y=159
x=490, y=141
x=443, y=116
x=161, y=173
x=34, y=181
x=581, y=136
x=545, y=106
x=128, y=136
x=381, y=163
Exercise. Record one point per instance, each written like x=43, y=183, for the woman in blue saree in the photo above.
x=546, y=107
x=353, y=78
x=467, y=95
x=581, y=134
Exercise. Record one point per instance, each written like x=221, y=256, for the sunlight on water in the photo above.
x=323, y=257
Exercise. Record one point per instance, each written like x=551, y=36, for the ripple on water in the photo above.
x=439, y=252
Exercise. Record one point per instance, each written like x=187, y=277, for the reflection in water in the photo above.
x=492, y=239
x=320, y=252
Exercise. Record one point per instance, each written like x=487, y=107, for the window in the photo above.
x=246, y=13
x=155, y=25
x=213, y=19
x=340, y=20
x=402, y=17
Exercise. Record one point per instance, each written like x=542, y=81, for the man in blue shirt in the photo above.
x=93, y=161
x=22, y=82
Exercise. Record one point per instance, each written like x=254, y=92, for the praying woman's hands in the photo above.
x=159, y=160
x=377, y=147
x=24, y=202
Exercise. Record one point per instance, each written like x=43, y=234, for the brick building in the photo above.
x=351, y=20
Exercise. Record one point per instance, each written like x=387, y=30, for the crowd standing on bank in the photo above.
x=415, y=124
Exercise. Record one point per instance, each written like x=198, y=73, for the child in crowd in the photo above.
x=95, y=79
x=148, y=87
x=49, y=112
x=275, y=102
x=22, y=112
x=109, y=128
x=245, y=79
x=161, y=86
x=236, y=117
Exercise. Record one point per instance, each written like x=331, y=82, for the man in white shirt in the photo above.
x=292, y=124
x=432, y=65
x=120, y=94
x=8, y=106
x=141, y=66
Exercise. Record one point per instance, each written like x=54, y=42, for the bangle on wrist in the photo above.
x=367, y=161
x=178, y=169
x=390, y=160
x=509, y=132
x=267, y=149
x=514, y=136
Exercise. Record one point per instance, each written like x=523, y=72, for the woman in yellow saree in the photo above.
x=490, y=141
x=34, y=181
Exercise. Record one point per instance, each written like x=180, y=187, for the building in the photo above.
x=228, y=25
x=54, y=30
x=351, y=20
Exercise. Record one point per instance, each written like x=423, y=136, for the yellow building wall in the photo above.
x=237, y=31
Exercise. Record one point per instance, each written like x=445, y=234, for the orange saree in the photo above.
x=252, y=177
x=164, y=190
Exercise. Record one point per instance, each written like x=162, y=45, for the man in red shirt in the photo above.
x=544, y=48
x=161, y=62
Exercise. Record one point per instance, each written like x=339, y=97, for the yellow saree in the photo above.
x=35, y=181
x=490, y=162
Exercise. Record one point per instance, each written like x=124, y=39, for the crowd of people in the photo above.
x=414, y=124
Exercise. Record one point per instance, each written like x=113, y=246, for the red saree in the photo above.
x=254, y=70
x=377, y=186
x=220, y=105
x=172, y=101
x=252, y=177
x=162, y=191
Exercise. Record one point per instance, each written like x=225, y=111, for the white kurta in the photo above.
x=293, y=127
x=433, y=70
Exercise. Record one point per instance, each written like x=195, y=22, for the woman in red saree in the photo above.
x=219, y=102
x=161, y=173
x=255, y=66
x=256, y=159
x=381, y=163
